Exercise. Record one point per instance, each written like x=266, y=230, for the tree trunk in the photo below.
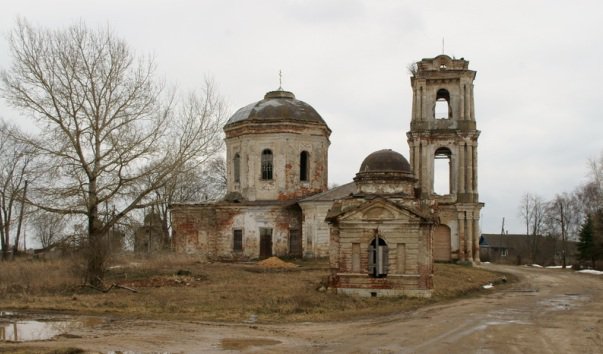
x=2, y=240
x=96, y=252
x=16, y=246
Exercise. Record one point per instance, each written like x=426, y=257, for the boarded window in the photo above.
x=295, y=243
x=356, y=257
x=237, y=240
x=237, y=168
x=303, y=166
x=401, y=250
x=267, y=164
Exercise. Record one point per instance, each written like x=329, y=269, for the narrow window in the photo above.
x=237, y=240
x=442, y=171
x=303, y=166
x=267, y=164
x=442, y=106
x=237, y=168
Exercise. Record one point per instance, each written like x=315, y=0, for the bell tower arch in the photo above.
x=443, y=147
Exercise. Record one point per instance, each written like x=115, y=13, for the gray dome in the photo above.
x=385, y=160
x=277, y=106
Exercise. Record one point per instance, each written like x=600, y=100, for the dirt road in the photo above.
x=548, y=311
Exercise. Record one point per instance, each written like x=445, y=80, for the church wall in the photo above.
x=192, y=226
x=315, y=230
x=209, y=230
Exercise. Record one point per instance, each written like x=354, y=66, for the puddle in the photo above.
x=25, y=331
x=564, y=302
x=244, y=343
x=13, y=328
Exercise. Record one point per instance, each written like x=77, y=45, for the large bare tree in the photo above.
x=109, y=133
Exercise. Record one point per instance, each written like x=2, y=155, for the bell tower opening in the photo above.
x=442, y=171
x=442, y=105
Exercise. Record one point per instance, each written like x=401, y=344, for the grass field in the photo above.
x=183, y=288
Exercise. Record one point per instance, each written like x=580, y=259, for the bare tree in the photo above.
x=595, y=186
x=532, y=212
x=49, y=227
x=110, y=134
x=15, y=167
x=563, y=220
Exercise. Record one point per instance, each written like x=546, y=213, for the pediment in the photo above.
x=378, y=210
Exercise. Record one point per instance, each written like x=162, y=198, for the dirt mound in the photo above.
x=275, y=262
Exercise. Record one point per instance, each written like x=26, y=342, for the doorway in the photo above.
x=265, y=242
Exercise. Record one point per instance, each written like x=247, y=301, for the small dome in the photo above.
x=385, y=160
x=277, y=105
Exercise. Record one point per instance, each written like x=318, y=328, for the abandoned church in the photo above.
x=382, y=231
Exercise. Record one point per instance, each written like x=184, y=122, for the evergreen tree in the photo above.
x=586, y=246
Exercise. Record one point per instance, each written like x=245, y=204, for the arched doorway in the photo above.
x=441, y=243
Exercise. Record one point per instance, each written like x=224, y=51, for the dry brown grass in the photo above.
x=212, y=291
x=30, y=277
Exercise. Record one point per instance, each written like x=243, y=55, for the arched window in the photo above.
x=442, y=171
x=236, y=162
x=442, y=106
x=304, y=166
x=267, y=164
x=378, y=258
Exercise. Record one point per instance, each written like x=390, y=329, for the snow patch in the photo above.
x=488, y=286
x=591, y=271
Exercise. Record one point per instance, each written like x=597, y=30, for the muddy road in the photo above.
x=548, y=311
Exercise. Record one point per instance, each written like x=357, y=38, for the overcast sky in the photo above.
x=537, y=92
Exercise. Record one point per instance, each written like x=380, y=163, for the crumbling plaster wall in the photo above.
x=286, y=148
x=208, y=230
x=315, y=230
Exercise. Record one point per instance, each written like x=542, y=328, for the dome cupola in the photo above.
x=385, y=172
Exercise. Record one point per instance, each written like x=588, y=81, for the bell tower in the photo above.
x=443, y=152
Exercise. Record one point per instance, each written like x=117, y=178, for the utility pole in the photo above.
x=560, y=201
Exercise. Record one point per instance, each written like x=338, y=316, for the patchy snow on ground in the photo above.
x=536, y=265
x=488, y=286
x=591, y=271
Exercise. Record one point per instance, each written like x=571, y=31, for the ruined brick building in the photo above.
x=277, y=153
x=277, y=201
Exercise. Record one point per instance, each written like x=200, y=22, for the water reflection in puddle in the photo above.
x=24, y=331
x=14, y=328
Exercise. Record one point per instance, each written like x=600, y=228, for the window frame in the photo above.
x=267, y=165
x=237, y=232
